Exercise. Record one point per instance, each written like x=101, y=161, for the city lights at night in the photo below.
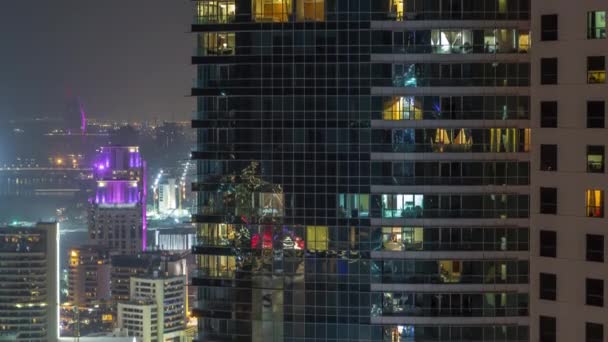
x=303, y=171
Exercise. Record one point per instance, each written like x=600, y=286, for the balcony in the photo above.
x=214, y=12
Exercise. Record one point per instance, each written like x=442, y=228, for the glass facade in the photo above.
x=312, y=150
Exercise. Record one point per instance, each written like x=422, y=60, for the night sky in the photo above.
x=126, y=59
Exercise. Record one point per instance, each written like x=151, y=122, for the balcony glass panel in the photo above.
x=215, y=11
x=216, y=43
x=271, y=10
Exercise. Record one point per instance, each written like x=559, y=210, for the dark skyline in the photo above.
x=125, y=59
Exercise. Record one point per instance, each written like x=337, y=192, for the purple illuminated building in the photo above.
x=117, y=218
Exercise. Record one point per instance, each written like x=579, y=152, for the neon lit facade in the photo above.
x=118, y=210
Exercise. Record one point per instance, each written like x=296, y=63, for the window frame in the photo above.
x=549, y=77
x=546, y=207
x=548, y=114
x=549, y=31
x=550, y=248
x=549, y=157
x=594, y=292
x=595, y=120
x=594, y=253
x=547, y=286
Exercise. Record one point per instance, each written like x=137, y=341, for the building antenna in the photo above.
x=83, y=117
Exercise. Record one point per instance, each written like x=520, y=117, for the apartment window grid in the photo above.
x=450, y=173
x=452, y=41
x=395, y=108
x=488, y=332
x=412, y=75
x=306, y=177
x=453, y=238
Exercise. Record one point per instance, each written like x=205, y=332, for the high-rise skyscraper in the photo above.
x=89, y=276
x=363, y=170
x=117, y=217
x=568, y=273
x=29, y=283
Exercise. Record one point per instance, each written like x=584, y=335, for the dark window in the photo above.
x=595, y=248
x=594, y=332
x=547, y=327
x=548, y=286
x=596, y=69
x=548, y=157
x=548, y=200
x=548, y=24
x=595, y=159
x=594, y=292
x=548, y=114
x=595, y=114
x=548, y=243
x=548, y=71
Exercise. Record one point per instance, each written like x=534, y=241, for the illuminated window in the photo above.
x=220, y=234
x=502, y=6
x=452, y=41
x=596, y=25
x=217, y=265
x=413, y=238
x=402, y=108
x=402, y=238
x=595, y=203
x=596, y=69
x=317, y=238
x=407, y=205
x=524, y=42
x=270, y=204
x=451, y=140
x=216, y=43
x=396, y=9
x=450, y=271
x=595, y=159
x=220, y=11
x=271, y=10
x=310, y=10
x=353, y=205
x=510, y=140
x=392, y=238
